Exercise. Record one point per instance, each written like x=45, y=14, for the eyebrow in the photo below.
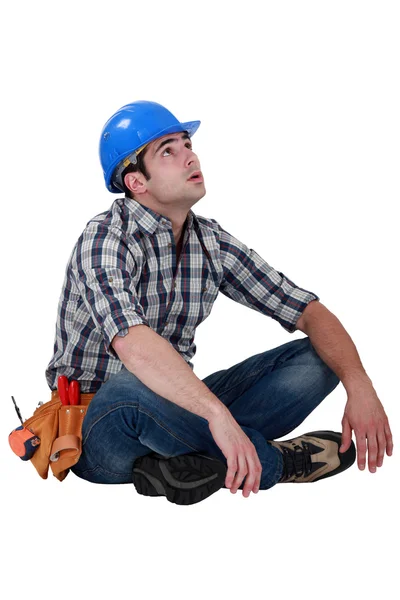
x=184, y=136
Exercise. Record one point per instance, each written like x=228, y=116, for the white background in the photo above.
x=299, y=146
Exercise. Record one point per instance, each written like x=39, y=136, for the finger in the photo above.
x=372, y=450
x=232, y=468
x=389, y=440
x=361, y=449
x=240, y=474
x=256, y=485
x=251, y=476
x=381, y=445
x=346, y=435
x=248, y=481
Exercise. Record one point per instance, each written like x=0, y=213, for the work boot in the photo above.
x=184, y=479
x=314, y=456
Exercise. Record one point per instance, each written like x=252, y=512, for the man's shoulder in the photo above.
x=116, y=220
x=208, y=223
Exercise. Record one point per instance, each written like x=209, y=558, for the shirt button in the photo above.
x=170, y=245
x=204, y=289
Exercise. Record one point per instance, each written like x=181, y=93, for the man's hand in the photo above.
x=239, y=451
x=365, y=414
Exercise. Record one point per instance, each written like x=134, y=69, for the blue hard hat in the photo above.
x=132, y=127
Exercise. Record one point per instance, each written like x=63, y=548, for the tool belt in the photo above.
x=59, y=428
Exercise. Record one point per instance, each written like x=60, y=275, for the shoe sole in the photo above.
x=185, y=479
x=346, y=458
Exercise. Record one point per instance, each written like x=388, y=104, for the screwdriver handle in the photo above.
x=74, y=392
x=62, y=385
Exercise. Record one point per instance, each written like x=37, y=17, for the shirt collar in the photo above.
x=148, y=220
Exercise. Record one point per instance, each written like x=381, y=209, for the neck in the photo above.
x=179, y=233
x=176, y=215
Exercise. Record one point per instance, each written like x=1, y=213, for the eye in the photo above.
x=169, y=149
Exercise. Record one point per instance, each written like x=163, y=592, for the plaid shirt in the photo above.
x=122, y=272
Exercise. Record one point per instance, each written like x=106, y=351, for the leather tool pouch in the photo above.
x=59, y=428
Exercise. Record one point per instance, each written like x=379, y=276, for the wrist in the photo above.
x=354, y=381
x=216, y=408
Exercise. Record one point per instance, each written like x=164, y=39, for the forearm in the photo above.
x=336, y=348
x=162, y=369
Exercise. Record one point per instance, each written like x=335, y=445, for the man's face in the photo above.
x=174, y=169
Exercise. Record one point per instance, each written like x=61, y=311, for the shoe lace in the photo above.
x=297, y=461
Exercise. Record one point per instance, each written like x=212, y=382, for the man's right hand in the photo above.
x=239, y=451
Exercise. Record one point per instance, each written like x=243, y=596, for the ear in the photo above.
x=135, y=182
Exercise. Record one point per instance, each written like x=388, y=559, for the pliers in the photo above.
x=69, y=392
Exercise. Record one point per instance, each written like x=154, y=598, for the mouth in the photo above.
x=196, y=176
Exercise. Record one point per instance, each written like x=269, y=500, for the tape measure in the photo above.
x=23, y=441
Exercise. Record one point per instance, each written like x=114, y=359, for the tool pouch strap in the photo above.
x=64, y=442
x=59, y=428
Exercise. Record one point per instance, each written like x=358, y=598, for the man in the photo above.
x=142, y=276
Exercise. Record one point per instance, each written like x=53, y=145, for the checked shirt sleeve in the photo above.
x=251, y=281
x=104, y=273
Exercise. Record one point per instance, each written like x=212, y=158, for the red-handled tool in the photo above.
x=69, y=392
x=63, y=389
x=74, y=392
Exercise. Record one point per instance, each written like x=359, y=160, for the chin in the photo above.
x=199, y=196
x=199, y=193
x=194, y=195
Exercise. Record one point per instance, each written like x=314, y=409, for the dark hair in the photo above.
x=133, y=168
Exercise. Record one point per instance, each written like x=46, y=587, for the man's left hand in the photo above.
x=365, y=414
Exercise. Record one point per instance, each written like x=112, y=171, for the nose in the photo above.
x=190, y=158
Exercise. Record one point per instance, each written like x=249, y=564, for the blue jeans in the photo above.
x=269, y=395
